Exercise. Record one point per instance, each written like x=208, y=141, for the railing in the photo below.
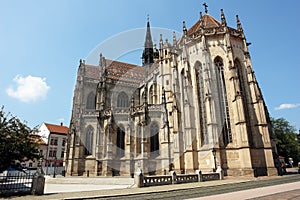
x=187, y=178
x=173, y=178
x=15, y=183
x=210, y=176
x=157, y=180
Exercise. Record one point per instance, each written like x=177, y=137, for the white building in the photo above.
x=55, y=137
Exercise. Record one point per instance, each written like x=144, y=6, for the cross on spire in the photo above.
x=205, y=7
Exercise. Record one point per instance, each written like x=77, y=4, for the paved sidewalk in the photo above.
x=76, y=187
x=129, y=191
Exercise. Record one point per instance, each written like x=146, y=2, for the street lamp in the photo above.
x=214, y=152
x=54, y=166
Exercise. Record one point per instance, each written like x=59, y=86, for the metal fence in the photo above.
x=20, y=182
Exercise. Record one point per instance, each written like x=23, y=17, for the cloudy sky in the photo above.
x=42, y=42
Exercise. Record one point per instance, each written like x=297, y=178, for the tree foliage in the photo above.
x=16, y=143
x=286, y=139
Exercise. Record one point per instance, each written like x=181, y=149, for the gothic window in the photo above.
x=120, y=142
x=154, y=140
x=90, y=103
x=242, y=81
x=226, y=129
x=122, y=100
x=138, y=139
x=201, y=103
x=88, y=144
x=153, y=94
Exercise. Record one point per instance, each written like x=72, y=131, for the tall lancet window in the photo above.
x=201, y=103
x=88, y=143
x=120, y=142
x=91, y=101
x=154, y=140
x=242, y=81
x=225, y=116
x=122, y=100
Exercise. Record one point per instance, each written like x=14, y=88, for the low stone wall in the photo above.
x=146, y=181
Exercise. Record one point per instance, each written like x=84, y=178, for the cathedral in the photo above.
x=194, y=104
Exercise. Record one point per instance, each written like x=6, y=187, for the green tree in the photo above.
x=286, y=139
x=16, y=143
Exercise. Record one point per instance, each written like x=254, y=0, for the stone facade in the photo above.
x=195, y=104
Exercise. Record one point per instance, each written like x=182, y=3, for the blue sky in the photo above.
x=41, y=43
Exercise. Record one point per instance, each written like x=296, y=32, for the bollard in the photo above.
x=173, y=179
x=221, y=172
x=199, y=173
x=38, y=184
x=139, y=178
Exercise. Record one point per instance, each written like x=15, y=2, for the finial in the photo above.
x=148, y=18
x=184, y=28
x=205, y=7
x=238, y=24
x=223, y=19
x=80, y=61
x=201, y=15
x=174, y=38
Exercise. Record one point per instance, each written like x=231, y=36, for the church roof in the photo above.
x=92, y=71
x=117, y=70
x=124, y=71
x=208, y=22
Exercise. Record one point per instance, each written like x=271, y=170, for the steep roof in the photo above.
x=208, y=22
x=125, y=72
x=117, y=70
x=57, y=128
x=92, y=71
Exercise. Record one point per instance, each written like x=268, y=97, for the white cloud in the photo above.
x=287, y=106
x=29, y=88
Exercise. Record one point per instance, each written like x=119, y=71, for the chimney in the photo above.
x=61, y=123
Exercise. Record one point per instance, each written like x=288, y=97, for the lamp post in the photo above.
x=214, y=152
x=54, y=166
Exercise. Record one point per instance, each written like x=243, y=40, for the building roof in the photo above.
x=208, y=22
x=37, y=139
x=53, y=128
x=124, y=71
x=117, y=70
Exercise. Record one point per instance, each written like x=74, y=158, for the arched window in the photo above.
x=120, y=142
x=151, y=95
x=242, y=81
x=154, y=140
x=201, y=103
x=122, y=100
x=89, y=140
x=224, y=108
x=91, y=101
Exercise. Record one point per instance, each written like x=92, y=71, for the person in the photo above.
x=283, y=167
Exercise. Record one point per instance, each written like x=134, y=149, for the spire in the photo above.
x=184, y=28
x=174, y=38
x=223, y=19
x=148, y=39
x=238, y=24
x=148, y=47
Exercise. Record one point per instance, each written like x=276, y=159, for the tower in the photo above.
x=148, y=53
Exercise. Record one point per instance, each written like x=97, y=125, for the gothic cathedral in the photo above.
x=195, y=104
